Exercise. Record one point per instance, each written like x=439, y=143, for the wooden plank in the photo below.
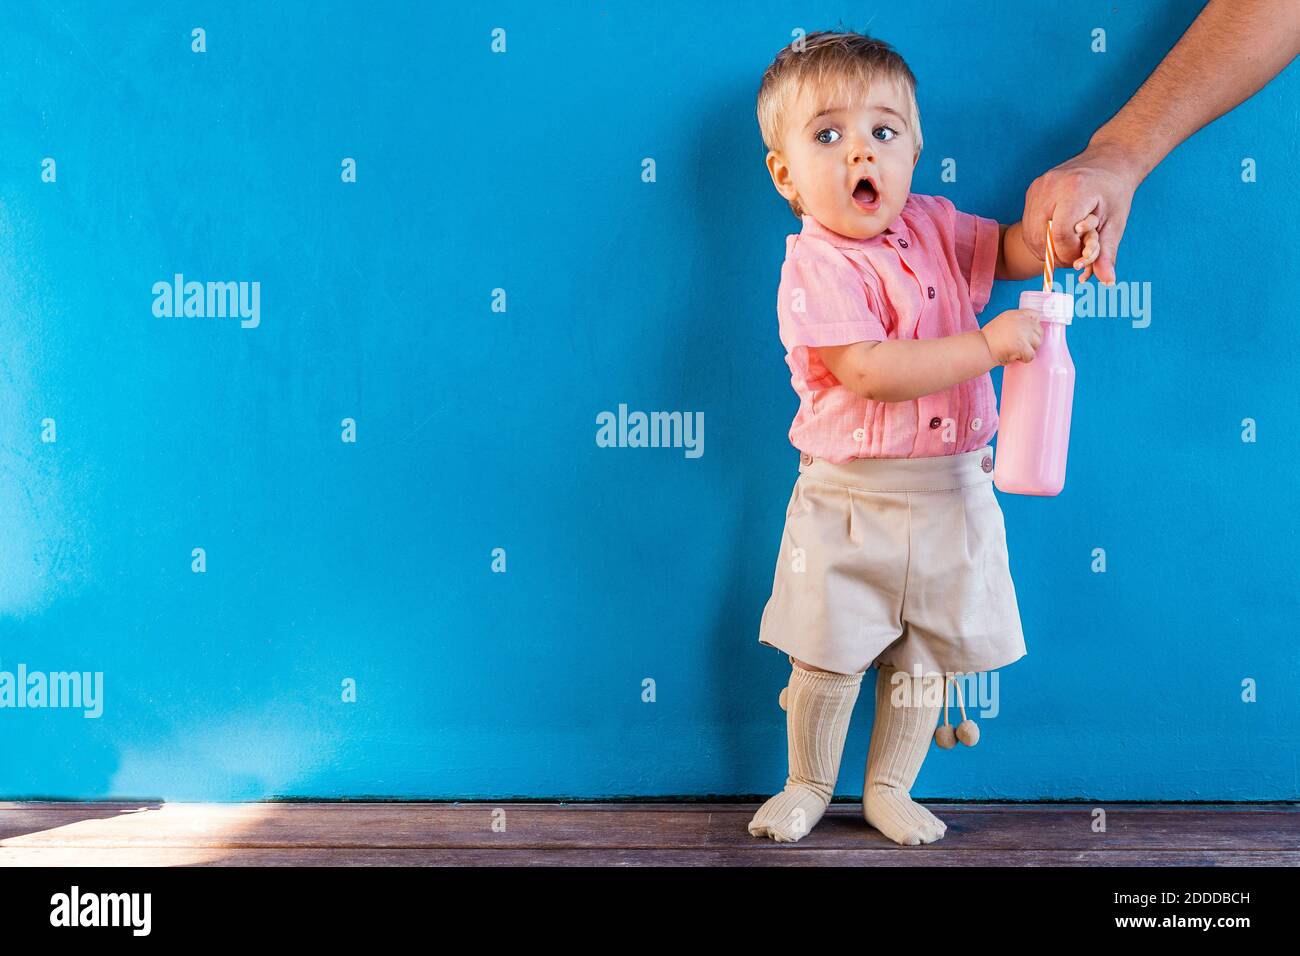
x=771, y=855
x=617, y=806
x=434, y=826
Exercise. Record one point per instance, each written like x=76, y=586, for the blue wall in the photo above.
x=475, y=429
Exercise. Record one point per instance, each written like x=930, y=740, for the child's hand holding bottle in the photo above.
x=1014, y=336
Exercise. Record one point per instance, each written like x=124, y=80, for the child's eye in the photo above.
x=826, y=142
x=883, y=129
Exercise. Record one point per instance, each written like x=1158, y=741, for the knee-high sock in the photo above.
x=818, y=707
x=900, y=741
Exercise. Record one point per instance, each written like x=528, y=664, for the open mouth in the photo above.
x=866, y=195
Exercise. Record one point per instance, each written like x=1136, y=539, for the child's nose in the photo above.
x=862, y=153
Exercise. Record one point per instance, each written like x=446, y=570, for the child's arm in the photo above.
x=898, y=370
x=1015, y=261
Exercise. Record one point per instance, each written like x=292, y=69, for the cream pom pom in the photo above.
x=781, y=700
x=968, y=732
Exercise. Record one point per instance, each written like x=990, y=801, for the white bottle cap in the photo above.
x=1054, y=306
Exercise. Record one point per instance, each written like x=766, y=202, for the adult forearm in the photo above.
x=898, y=370
x=1231, y=50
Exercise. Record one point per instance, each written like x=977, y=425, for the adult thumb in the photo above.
x=1033, y=231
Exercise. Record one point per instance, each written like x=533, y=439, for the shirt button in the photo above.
x=858, y=434
x=932, y=292
x=987, y=464
x=976, y=424
x=805, y=458
x=936, y=422
x=903, y=243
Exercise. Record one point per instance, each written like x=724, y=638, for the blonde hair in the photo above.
x=842, y=66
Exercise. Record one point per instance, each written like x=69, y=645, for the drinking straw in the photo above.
x=1049, y=260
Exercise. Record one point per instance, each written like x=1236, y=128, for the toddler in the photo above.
x=894, y=549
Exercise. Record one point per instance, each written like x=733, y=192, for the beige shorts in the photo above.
x=897, y=561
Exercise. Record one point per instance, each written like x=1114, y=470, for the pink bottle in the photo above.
x=1034, y=421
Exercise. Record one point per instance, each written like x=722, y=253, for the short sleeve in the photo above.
x=823, y=299
x=975, y=239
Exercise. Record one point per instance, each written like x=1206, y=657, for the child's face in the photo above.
x=829, y=147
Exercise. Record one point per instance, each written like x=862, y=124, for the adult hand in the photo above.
x=1099, y=181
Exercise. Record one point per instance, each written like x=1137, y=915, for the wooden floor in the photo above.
x=630, y=834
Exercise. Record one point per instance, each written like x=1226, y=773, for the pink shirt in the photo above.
x=926, y=276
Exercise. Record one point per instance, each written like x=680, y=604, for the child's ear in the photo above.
x=780, y=173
